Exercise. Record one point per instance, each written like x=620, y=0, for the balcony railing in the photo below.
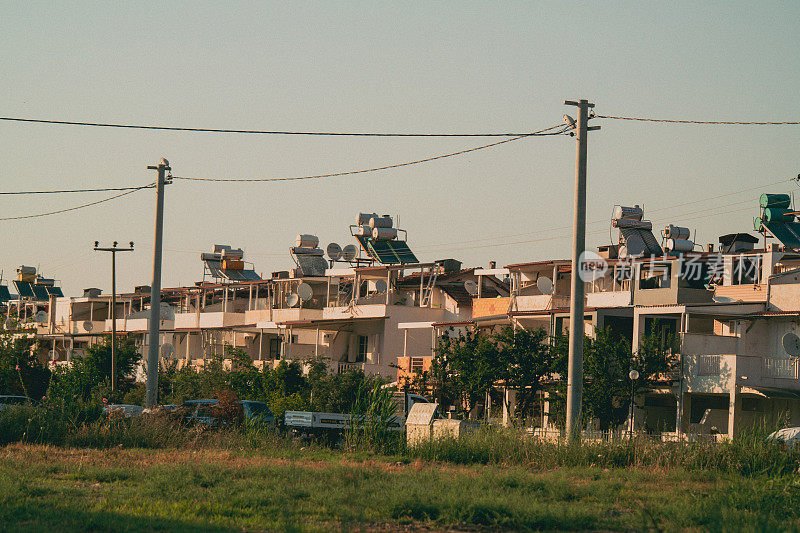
x=780, y=368
x=344, y=367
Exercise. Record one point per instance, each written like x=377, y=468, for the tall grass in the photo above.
x=750, y=453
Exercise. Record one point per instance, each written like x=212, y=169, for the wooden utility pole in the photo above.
x=576, y=308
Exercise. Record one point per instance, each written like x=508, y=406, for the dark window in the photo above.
x=362, y=348
x=275, y=348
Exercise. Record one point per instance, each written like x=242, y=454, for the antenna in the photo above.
x=545, y=285
x=304, y=292
x=292, y=300
x=334, y=251
x=349, y=252
x=167, y=349
x=471, y=287
x=791, y=344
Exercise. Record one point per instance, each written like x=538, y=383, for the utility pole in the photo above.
x=577, y=290
x=155, y=288
x=113, y=250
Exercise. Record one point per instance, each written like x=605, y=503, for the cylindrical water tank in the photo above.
x=630, y=213
x=676, y=232
x=363, y=218
x=777, y=214
x=364, y=231
x=384, y=233
x=26, y=270
x=633, y=224
x=306, y=241
x=679, y=245
x=380, y=222
x=775, y=200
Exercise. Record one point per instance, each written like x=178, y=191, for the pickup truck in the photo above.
x=307, y=423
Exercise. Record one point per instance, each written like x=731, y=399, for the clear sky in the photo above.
x=380, y=66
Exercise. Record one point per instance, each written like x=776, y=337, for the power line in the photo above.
x=72, y=190
x=376, y=169
x=709, y=122
x=79, y=206
x=431, y=247
x=258, y=132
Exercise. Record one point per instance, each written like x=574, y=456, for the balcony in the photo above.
x=744, y=293
x=218, y=319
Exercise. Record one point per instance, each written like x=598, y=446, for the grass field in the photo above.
x=69, y=489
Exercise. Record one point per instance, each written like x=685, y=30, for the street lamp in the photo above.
x=634, y=375
x=113, y=250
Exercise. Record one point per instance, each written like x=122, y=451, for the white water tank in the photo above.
x=306, y=241
x=384, y=233
x=380, y=222
x=679, y=245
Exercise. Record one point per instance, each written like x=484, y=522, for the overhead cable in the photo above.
x=376, y=169
x=429, y=247
x=79, y=206
x=259, y=132
x=708, y=122
x=72, y=190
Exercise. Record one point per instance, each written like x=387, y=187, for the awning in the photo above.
x=775, y=393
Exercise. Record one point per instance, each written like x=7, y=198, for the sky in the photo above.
x=375, y=66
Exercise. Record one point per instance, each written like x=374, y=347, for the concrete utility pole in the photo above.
x=575, y=369
x=113, y=250
x=155, y=289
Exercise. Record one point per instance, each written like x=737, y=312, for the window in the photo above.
x=746, y=270
x=275, y=348
x=363, y=341
x=416, y=365
x=654, y=276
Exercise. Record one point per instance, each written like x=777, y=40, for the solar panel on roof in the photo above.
x=55, y=291
x=40, y=292
x=787, y=233
x=640, y=241
x=24, y=289
x=387, y=251
x=250, y=275
x=312, y=265
x=4, y=294
x=391, y=252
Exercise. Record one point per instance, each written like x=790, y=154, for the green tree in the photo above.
x=21, y=373
x=526, y=358
x=89, y=376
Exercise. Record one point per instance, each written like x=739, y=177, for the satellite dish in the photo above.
x=292, y=300
x=471, y=287
x=349, y=252
x=40, y=317
x=88, y=325
x=167, y=349
x=380, y=286
x=334, y=251
x=304, y=291
x=791, y=344
x=545, y=285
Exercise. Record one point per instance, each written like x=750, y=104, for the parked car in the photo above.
x=788, y=436
x=202, y=412
x=8, y=400
x=123, y=409
x=309, y=423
